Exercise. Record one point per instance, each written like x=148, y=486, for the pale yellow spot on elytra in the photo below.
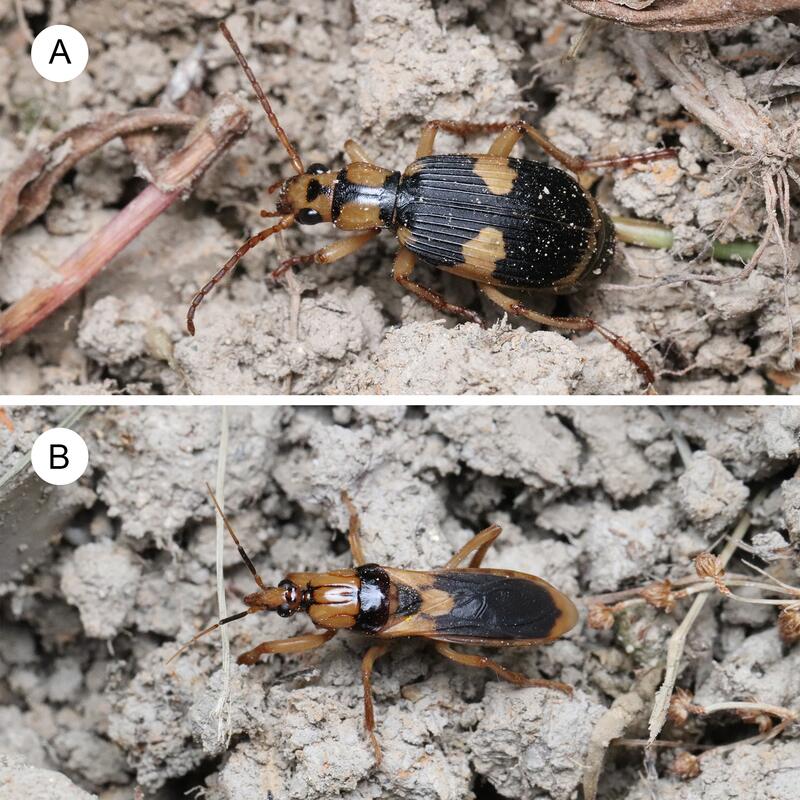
x=488, y=247
x=498, y=177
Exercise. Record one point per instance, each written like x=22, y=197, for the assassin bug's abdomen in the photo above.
x=504, y=221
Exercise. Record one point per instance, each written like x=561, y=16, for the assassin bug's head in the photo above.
x=308, y=197
x=285, y=598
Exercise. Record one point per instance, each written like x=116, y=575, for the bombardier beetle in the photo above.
x=502, y=222
x=450, y=605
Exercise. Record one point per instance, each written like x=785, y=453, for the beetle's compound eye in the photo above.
x=291, y=599
x=316, y=169
x=307, y=216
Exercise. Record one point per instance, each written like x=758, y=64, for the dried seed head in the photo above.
x=660, y=595
x=707, y=565
x=600, y=617
x=685, y=766
x=680, y=707
x=789, y=623
x=754, y=717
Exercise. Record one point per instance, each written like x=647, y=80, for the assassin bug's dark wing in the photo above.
x=477, y=606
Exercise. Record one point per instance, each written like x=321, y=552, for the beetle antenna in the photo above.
x=297, y=162
x=242, y=552
x=230, y=264
x=184, y=647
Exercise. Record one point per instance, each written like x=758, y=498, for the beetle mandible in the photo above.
x=502, y=222
x=449, y=605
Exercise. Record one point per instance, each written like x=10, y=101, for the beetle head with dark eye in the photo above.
x=308, y=196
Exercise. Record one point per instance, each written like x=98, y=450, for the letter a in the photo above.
x=56, y=52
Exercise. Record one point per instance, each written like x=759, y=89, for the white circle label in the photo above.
x=59, y=53
x=59, y=456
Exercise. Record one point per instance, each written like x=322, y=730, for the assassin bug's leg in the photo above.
x=505, y=142
x=482, y=662
x=512, y=306
x=297, y=644
x=370, y=657
x=355, y=152
x=404, y=266
x=328, y=254
x=430, y=129
x=476, y=547
x=354, y=534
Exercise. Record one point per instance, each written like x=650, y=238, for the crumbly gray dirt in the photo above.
x=376, y=70
x=594, y=500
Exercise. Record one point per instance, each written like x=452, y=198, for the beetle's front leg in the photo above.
x=356, y=153
x=512, y=306
x=404, y=266
x=297, y=644
x=328, y=254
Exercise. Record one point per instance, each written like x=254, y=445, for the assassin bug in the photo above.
x=502, y=222
x=449, y=605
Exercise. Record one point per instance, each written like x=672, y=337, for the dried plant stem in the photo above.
x=678, y=639
x=228, y=119
x=223, y=708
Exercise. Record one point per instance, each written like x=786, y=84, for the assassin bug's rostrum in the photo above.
x=502, y=222
x=449, y=605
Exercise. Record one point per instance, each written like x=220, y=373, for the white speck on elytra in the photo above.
x=546, y=190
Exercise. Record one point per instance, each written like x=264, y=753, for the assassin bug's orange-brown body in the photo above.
x=451, y=605
x=502, y=222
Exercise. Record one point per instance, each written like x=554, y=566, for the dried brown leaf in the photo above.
x=684, y=15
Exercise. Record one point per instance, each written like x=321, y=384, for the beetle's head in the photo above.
x=284, y=598
x=308, y=196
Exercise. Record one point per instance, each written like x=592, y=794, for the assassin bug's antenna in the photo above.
x=275, y=594
x=297, y=162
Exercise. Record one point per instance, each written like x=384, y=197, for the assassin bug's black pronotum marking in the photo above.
x=450, y=605
x=502, y=222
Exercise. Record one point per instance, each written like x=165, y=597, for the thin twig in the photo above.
x=223, y=709
x=228, y=119
x=677, y=641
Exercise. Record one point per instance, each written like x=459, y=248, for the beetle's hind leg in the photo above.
x=512, y=306
x=505, y=142
x=483, y=662
x=328, y=254
x=367, y=664
x=476, y=547
x=354, y=532
x=404, y=266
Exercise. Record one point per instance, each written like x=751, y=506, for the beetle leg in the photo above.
x=505, y=142
x=483, y=662
x=328, y=254
x=297, y=644
x=354, y=534
x=430, y=129
x=404, y=266
x=368, y=662
x=478, y=545
x=355, y=152
x=512, y=306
